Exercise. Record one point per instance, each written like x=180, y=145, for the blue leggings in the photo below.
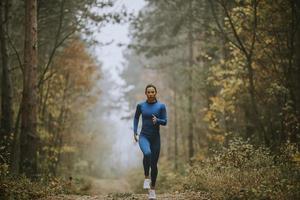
x=150, y=147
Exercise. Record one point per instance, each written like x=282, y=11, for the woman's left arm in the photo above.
x=163, y=117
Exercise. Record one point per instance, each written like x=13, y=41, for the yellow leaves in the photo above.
x=231, y=88
x=296, y=158
x=75, y=76
x=269, y=41
x=219, y=110
x=218, y=104
x=67, y=94
x=227, y=75
x=216, y=138
x=209, y=116
x=213, y=122
x=199, y=156
x=68, y=149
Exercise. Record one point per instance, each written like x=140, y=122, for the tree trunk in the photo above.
x=182, y=117
x=175, y=132
x=29, y=137
x=6, y=84
x=295, y=48
x=15, y=157
x=190, y=87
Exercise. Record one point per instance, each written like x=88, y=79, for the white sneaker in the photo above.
x=152, y=194
x=147, y=183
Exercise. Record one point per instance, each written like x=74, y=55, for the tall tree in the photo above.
x=190, y=40
x=6, y=84
x=29, y=137
x=295, y=71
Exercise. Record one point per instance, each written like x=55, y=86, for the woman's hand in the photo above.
x=136, y=137
x=154, y=119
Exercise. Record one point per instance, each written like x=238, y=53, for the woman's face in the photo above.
x=150, y=93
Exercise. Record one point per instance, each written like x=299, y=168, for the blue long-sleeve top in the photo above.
x=147, y=109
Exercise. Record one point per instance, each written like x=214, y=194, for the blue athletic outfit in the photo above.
x=149, y=140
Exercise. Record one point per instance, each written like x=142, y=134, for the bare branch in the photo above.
x=255, y=4
x=242, y=47
x=55, y=48
x=56, y=41
x=220, y=27
x=16, y=51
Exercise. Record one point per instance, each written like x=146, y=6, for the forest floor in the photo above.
x=117, y=189
x=131, y=196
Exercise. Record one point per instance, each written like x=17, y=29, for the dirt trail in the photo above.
x=131, y=196
x=117, y=189
x=106, y=186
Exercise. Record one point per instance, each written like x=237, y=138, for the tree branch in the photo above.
x=255, y=4
x=16, y=52
x=55, y=43
x=220, y=27
x=242, y=47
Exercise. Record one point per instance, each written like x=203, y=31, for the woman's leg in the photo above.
x=145, y=147
x=155, y=149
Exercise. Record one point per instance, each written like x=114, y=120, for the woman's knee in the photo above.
x=147, y=154
x=153, y=165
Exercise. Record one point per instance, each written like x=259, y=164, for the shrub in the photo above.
x=23, y=188
x=242, y=171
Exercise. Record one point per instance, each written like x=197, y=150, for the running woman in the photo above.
x=153, y=115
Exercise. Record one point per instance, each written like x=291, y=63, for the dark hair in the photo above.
x=148, y=86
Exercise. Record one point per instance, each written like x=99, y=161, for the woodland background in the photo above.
x=228, y=71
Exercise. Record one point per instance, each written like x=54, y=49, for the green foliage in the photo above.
x=242, y=171
x=256, y=35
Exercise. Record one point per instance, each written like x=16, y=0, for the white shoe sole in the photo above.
x=146, y=186
x=152, y=197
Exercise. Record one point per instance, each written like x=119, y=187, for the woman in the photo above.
x=153, y=115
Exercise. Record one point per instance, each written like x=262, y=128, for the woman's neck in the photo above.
x=151, y=101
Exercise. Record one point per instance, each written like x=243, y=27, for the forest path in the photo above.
x=106, y=186
x=131, y=196
x=117, y=189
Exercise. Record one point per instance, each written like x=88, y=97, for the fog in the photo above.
x=114, y=151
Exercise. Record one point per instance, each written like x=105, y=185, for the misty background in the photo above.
x=111, y=118
x=72, y=73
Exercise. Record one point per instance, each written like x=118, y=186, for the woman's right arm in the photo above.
x=136, y=118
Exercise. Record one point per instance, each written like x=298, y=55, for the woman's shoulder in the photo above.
x=161, y=104
x=141, y=103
